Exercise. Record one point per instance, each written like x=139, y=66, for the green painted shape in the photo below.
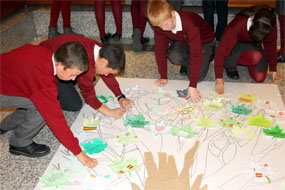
x=274, y=132
x=96, y=146
x=185, y=129
x=55, y=178
x=124, y=165
x=104, y=98
x=137, y=121
x=241, y=109
x=259, y=121
x=205, y=122
x=229, y=122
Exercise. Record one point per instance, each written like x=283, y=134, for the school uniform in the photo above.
x=236, y=40
x=85, y=80
x=28, y=81
x=192, y=46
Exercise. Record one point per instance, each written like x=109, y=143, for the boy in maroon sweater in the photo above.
x=241, y=44
x=192, y=43
x=28, y=82
x=105, y=61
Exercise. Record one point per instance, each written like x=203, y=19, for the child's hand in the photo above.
x=126, y=103
x=86, y=160
x=194, y=94
x=220, y=86
x=161, y=82
x=117, y=113
x=275, y=76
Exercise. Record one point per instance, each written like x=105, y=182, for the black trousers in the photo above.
x=221, y=7
x=178, y=53
x=68, y=96
x=232, y=60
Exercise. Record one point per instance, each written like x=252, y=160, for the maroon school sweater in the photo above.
x=28, y=72
x=235, y=32
x=195, y=32
x=85, y=81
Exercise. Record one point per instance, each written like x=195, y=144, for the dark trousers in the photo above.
x=68, y=96
x=178, y=53
x=26, y=121
x=221, y=7
x=232, y=60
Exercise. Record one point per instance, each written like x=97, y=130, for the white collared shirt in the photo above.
x=249, y=23
x=96, y=51
x=53, y=63
x=178, y=26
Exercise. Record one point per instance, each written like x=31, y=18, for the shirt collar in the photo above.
x=249, y=23
x=96, y=51
x=178, y=26
x=53, y=63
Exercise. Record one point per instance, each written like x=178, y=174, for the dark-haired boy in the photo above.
x=28, y=82
x=105, y=61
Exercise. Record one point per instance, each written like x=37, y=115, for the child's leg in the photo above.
x=30, y=125
x=251, y=58
x=117, y=12
x=222, y=12
x=142, y=17
x=65, y=12
x=208, y=11
x=282, y=33
x=135, y=7
x=178, y=53
x=54, y=13
x=207, y=54
x=100, y=16
x=257, y=76
x=68, y=96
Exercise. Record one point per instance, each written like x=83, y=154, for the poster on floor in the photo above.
x=234, y=141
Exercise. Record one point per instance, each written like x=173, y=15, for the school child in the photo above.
x=28, y=83
x=184, y=38
x=105, y=61
x=241, y=44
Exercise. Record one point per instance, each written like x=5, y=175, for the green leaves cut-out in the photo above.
x=95, y=147
x=124, y=165
x=205, y=122
x=55, y=178
x=259, y=121
x=274, y=132
x=137, y=121
x=241, y=109
x=184, y=131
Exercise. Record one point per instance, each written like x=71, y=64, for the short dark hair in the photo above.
x=72, y=55
x=115, y=55
x=264, y=19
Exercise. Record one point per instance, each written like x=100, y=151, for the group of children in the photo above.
x=39, y=79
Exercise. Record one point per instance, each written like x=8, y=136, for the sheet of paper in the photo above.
x=233, y=151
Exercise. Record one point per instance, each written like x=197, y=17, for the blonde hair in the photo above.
x=158, y=11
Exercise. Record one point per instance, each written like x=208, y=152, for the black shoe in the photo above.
x=106, y=38
x=32, y=150
x=183, y=71
x=233, y=74
x=281, y=58
x=116, y=36
x=137, y=45
x=2, y=132
x=144, y=40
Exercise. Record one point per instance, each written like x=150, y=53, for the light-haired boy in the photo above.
x=184, y=38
